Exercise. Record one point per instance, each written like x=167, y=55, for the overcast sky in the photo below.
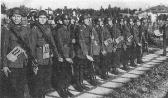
x=96, y=4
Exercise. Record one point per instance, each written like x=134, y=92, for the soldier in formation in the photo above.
x=54, y=52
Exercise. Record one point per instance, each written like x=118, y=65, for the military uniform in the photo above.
x=95, y=44
x=105, y=42
x=116, y=54
x=144, y=34
x=15, y=59
x=77, y=80
x=64, y=70
x=165, y=38
x=138, y=42
x=143, y=41
x=84, y=49
x=129, y=53
x=41, y=50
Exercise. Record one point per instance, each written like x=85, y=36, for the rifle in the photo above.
x=27, y=50
x=92, y=63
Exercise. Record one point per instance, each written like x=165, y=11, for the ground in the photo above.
x=148, y=80
x=152, y=84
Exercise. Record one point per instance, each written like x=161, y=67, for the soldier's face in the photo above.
x=145, y=20
x=17, y=19
x=50, y=21
x=66, y=22
x=110, y=22
x=90, y=20
x=116, y=21
x=131, y=22
x=72, y=21
x=86, y=21
x=125, y=22
x=138, y=23
x=100, y=22
x=60, y=21
x=42, y=19
x=121, y=22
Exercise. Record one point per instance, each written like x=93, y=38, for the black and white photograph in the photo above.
x=84, y=49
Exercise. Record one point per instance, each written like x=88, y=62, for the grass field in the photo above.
x=152, y=84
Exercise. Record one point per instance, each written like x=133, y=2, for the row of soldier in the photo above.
x=48, y=56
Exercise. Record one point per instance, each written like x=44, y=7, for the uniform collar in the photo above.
x=15, y=27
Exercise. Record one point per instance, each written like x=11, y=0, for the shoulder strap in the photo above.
x=26, y=48
x=44, y=35
x=47, y=39
x=20, y=40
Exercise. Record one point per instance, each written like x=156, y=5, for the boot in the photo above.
x=62, y=93
x=84, y=87
x=125, y=67
x=94, y=82
x=115, y=71
x=78, y=87
x=133, y=65
x=68, y=93
x=140, y=61
x=104, y=77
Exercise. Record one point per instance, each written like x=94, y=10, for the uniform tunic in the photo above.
x=84, y=49
x=42, y=51
x=165, y=38
x=116, y=54
x=17, y=76
x=63, y=72
x=104, y=37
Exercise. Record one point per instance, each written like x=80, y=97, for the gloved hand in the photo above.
x=60, y=59
x=69, y=60
x=89, y=58
x=6, y=70
x=35, y=70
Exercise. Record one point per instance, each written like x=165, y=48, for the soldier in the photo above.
x=121, y=21
x=143, y=36
x=108, y=23
x=137, y=38
x=58, y=22
x=105, y=42
x=73, y=27
x=85, y=59
x=128, y=42
x=133, y=42
x=65, y=70
x=14, y=54
x=146, y=26
x=51, y=22
x=32, y=18
x=117, y=46
x=43, y=47
x=4, y=83
x=144, y=31
x=77, y=77
x=165, y=37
